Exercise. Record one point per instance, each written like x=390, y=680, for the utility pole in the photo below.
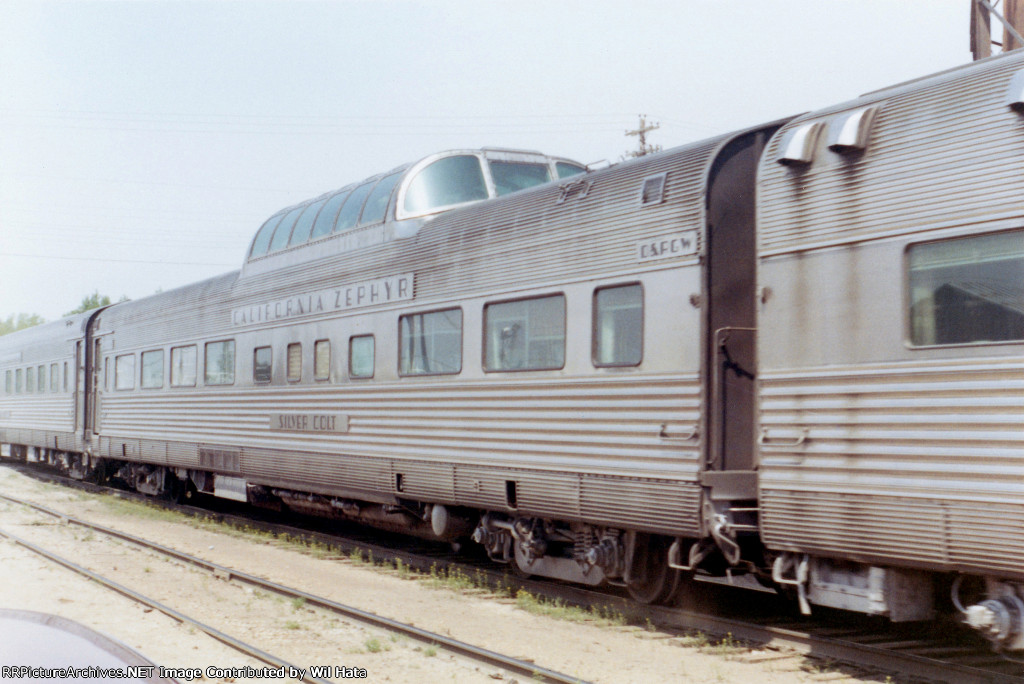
x=642, y=147
x=1011, y=18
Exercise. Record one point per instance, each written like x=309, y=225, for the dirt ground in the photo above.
x=593, y=650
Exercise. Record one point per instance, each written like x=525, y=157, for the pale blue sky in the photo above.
x=143, y=143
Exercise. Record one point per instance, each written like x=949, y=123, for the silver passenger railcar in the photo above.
x=793, y=351
x=891, y=349
x=44, y=399
x=526, y=368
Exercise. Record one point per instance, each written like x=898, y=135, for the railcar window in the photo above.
x=294, y=362
x=526, y=334
x=448, y=181
x=183, y=366
x=30, y=379
x=304, y=225
x=41, y=386
x=967, y=290
x=54, y=377
x=262, y=241
x=263, y=364
x=284, y=230
x=219, y=364
x=124, y=372
x=511, y=176
x=430, y=343
x=618, y=326
x=153, y=369
x=565, y=169
x=65, y=376
x=322, y=360
x=349, y=214
x=19, y=381
x=8, y=382
x=361, y=356
x=324, y=223
x=377, y=202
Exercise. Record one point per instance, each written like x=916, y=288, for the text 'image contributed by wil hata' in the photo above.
x=184, y=674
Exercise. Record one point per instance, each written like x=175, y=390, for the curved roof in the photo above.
x=434, y=184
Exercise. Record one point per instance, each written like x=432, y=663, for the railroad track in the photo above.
x=482, y=655
x=866, y=645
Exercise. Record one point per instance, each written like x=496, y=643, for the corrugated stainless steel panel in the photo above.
x=943, y=151
x=456, y=442
x=649, y=505
x=900, y=461
x=603, y=424
x=427, y=481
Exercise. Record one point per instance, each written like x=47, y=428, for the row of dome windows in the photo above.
x=448, y=182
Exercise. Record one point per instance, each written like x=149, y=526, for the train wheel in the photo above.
x=651, y=579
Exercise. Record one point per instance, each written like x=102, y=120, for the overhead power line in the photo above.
x=118, y=261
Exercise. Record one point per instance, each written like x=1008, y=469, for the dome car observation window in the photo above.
x=262, y=241
x=348, y=217
x=446, y=182
x=284, y=231
x=511, y=176
x=324, y=223
x=377, y=203
x=304, y=225
x=565, y=169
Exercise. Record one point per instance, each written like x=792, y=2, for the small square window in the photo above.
x=361, y=356
x=322, y=360
x=124, y=372
x=526, y=334
x=153, y=369
x=262, y=364
x=294, y=362
x=183, y=366
x=618, y=326
x=430, y=343
x=967, y=290
x=220, y=363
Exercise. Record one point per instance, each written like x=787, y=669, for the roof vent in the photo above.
x=797, y=148
x=1015, y=93
x=850, y=132
x=654, y=190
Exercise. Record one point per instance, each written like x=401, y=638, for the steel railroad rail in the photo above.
x=508, y=663
x=887, y=650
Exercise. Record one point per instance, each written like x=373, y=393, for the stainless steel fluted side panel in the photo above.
x=919, y=462
x=943, y=151
x=587, y=447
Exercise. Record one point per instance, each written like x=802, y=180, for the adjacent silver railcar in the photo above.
x=891, y=363
x=44, y=399
x=794, y=351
